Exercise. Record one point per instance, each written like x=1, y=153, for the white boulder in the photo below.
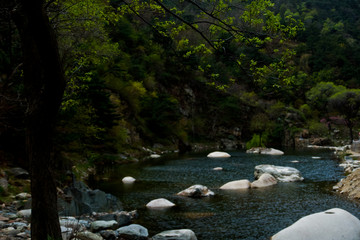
x=160, y=203
x=196, y=191
x=268, y=151
x=155, y=156
x=265, y=180
x=282, y=174
x=235, y=185
x=333, y=224
x=218, y=155
x=217, y=168
x=181, y=234
x=128, y=179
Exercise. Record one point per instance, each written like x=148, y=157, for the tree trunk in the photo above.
x=44, y=87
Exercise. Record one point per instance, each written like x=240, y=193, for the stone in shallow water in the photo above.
x=265, y=180
x=196, y=191
x=235, y=185
x=218, y=155
x=282, y=174
x=160, y=203
x=128, y=179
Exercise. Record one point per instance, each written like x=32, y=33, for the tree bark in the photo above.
x=44, y=87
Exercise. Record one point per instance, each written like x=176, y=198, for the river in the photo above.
x=246, y=214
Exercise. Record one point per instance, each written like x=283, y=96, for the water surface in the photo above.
x=244, y=214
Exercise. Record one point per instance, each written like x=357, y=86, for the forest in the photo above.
x=175, y=75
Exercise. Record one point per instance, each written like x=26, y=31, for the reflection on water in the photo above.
x=245, y=214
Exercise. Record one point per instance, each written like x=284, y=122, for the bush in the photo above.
x=255, y=141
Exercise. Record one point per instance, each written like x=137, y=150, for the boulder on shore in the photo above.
x=268, y=151
x=181, y=234
x=160, y=203
x=196, y=191
x=218, y=155
x=282, y=174
x=265, y=180
x=332, y=224
x=235, y=185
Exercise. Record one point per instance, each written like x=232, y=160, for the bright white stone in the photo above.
x=333, y=224
x=218, y=155
x=160, y=203
x=155, y=156
x=218, y=169
x=234, y=185
x=265, y=180
x=128, y=179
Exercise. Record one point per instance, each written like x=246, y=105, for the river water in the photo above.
x=245, y=214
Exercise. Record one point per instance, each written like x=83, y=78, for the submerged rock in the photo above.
x=196, y=191
x=282, y=174
x=181, y=234
x=235, y=185
x=218, y=155
x=333, y=224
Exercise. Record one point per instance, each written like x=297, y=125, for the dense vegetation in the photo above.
x=138, y=75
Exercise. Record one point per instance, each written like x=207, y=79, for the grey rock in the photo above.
x=4, y=184
x=133, y=231
x=102, y=225
x=181, y=234
x=83, y=200
x=19, y=173
x=108, y=234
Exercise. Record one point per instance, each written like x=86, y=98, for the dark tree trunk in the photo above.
x=44, y=87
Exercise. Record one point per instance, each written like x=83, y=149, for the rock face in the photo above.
x=181, y=234
x=333, y=224
x=196, y=191
x=235, y=185
x=350, y=185
x=268, y=151
x=282, y=174
x=265, y=180
x=160, y=203
x=80, y=199
x=218, y=155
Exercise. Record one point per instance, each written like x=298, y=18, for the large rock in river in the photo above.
x=218, y=155
x=235, y=185
x=282, y=174
x=267, y=151
x=196, y=191
x=160, y=203
x=265, y=180
x=333, y=224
